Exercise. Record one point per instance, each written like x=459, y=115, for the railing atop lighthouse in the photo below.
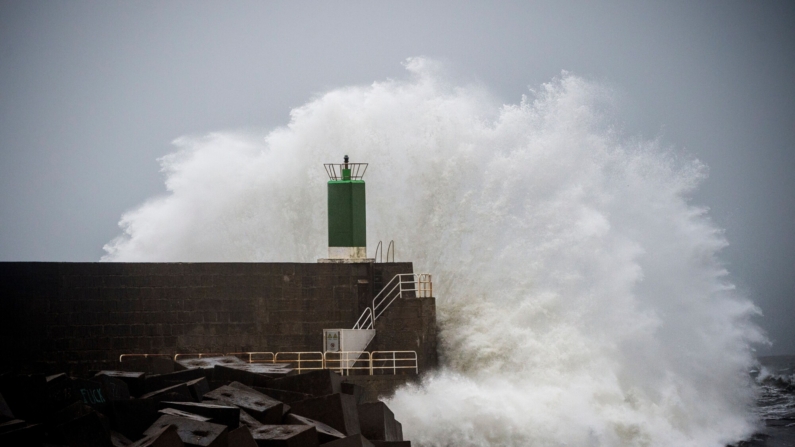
x=345, y=171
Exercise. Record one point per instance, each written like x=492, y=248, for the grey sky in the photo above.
x=92, y=93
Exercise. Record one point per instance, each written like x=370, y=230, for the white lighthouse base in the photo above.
x=346, y=255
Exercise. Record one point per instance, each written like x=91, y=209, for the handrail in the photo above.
x=345, y=171
x=394, y=360
x=365, y=321
x=421, y=284
x=200, y=355
x=397, y=279
x=345, y=361
x=380, y=248
x=299, y=360
x=251, y=355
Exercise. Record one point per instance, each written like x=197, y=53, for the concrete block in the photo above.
x=256, y=374
x=286, y=436
x=285, y=396
x=357, y=391
x=92, y=429
x=217, y=414
x=68, y=414
x=13, y=424
x=191, y=432
x=325, y=433
x=132, y=417
x=165, y=437
x=178, y=392
x=246, y=420
x=399, y=430
x=133, y=379
x=377, y=422
x=317, y=383
x=241, y=386
x=59, y=392
x=25, y=396
x=5, y=410
x=350, y=441
x=90, y=391
x=183, y=414
x=160, y=381
x=263, y=408
x=210, y=362
x=241, y=437
x=29, y=435
x=113, y=388
x=215, y=384
x=119, y=440
x=198, y=388
x=337, y=410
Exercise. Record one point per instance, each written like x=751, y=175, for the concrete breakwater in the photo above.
x=78, y=317
x=217, y=402
x=64, y=328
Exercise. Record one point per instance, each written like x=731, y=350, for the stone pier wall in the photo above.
x=78, y=316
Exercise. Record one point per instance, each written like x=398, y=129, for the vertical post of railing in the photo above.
x=380, y=248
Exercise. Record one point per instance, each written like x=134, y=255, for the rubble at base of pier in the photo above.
x=215, y=402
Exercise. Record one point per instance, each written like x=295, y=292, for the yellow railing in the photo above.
x=343, y=362
x=254, y=357
x=199, y=355
x=314, y=361
x=398, y=360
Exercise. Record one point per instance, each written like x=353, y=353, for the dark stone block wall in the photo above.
x=410, y=324
x=78, y=316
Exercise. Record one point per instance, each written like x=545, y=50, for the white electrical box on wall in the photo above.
x=331, y=340
x=346, y=340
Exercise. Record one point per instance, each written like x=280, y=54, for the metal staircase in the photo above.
x=350, y=344
x=402, y=285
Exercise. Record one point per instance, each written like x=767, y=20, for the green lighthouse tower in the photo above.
x=347, y=215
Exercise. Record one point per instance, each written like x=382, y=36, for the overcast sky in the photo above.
x=92, y=93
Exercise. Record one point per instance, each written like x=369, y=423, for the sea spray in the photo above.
x=579, y=293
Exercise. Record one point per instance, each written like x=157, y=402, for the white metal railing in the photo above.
x=420, y=284
x=251, y=356
x=398, y=360
x=343, y=362
x=365, y=321
x=299, y=359
x=199, y=355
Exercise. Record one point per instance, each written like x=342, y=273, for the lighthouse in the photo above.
x=347, y=214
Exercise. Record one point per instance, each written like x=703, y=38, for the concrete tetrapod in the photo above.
x=286, y=436
x=263, y=408
x=192, y=432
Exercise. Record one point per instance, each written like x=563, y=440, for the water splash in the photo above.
x=580, y=296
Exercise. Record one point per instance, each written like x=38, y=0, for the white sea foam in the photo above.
x=580, y=296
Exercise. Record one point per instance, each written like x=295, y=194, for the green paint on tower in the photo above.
x=347, y=216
